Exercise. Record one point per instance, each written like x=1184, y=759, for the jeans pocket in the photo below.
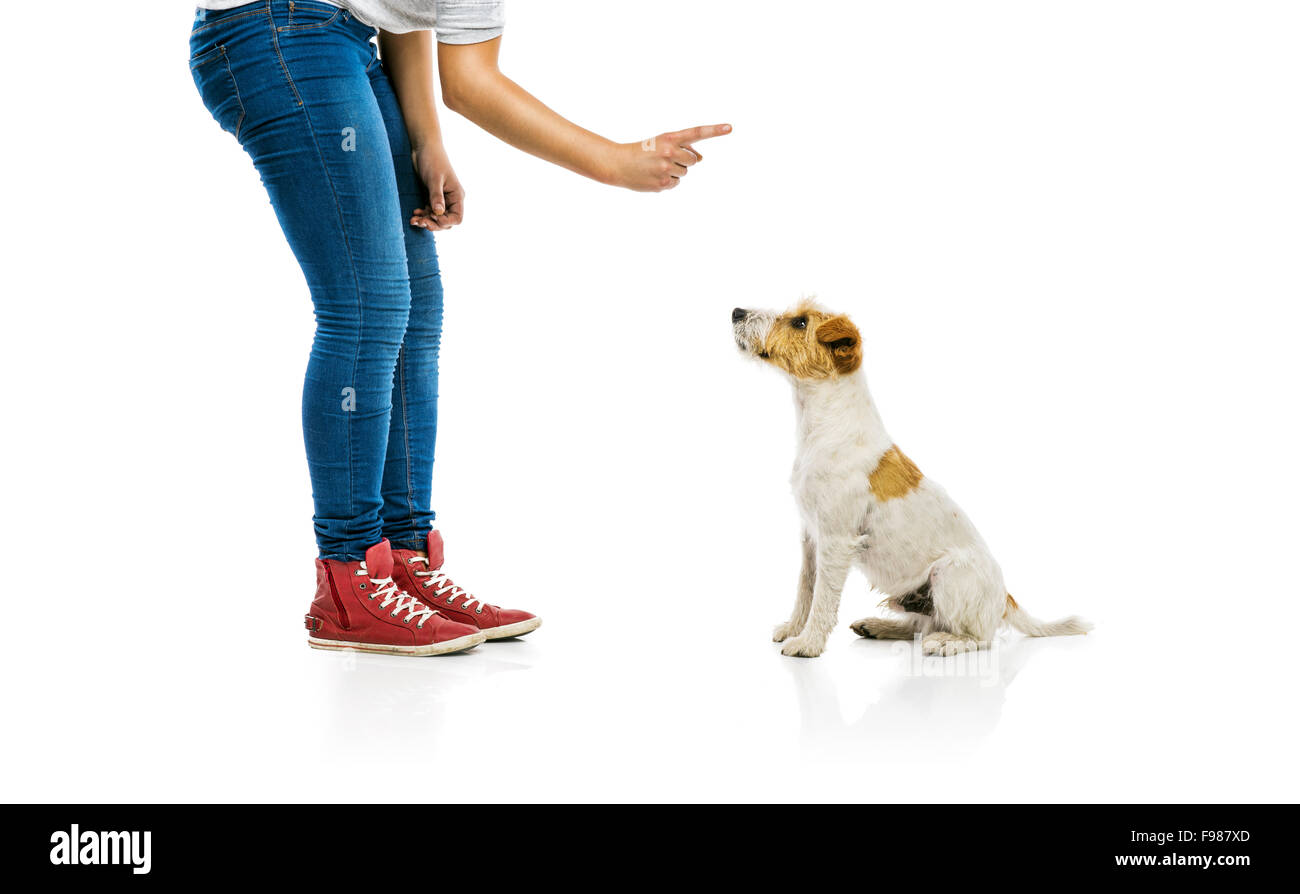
x=305, y=15
x=217, y=87
x=207, y=19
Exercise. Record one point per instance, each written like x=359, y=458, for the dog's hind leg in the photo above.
x=968, y=598
x=803, y=595
x=916, y=608
x=905, y=627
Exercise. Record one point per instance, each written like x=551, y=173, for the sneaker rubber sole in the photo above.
x=459, y=644
x=505, y=631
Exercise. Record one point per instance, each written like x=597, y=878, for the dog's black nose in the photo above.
x=738, y=314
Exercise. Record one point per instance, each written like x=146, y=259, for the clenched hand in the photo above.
x=446, y=206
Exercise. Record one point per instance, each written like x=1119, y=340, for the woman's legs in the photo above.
x=302, y=89
x=408, y=470
x=297, y=91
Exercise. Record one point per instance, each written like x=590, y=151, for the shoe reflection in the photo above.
x=389, y=698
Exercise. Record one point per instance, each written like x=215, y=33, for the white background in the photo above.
x=1067, y=231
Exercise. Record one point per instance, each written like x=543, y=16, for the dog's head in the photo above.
x=808, y=342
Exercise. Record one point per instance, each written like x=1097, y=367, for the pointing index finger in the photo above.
x=703, y=132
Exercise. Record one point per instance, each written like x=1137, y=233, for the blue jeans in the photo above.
x=301, y=87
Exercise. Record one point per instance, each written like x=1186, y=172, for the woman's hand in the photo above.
x=446, y=206
x=660, y=162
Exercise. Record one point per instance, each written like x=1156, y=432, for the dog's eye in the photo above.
x=799, y=322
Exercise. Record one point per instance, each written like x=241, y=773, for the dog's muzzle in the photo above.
x=750, y=328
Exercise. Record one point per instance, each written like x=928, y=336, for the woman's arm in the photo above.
x=474, y=86
x=408, y=59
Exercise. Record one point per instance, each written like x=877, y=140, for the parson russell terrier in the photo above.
x=864, y=503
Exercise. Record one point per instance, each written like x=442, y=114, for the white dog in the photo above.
x=863, y=502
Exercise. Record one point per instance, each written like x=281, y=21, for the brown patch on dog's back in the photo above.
x=1011, y=603
x=895, y=475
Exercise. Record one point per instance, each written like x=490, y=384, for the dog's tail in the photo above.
x=1027, y=624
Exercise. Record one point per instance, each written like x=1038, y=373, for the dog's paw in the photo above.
x=865, y=627
x=945, y=647
x=783, y=631
x=803, y=647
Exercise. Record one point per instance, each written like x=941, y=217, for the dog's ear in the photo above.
x=841, y=338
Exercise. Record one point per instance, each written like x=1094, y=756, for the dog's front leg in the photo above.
x=803, y=596
x=833, y=560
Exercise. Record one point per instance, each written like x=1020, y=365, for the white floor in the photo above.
x=639, y=708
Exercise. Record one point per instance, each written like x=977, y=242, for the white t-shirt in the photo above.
x=453, y=21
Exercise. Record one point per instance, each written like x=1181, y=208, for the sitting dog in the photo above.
x=864, y=503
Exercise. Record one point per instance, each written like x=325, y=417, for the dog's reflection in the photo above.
x=937, y=706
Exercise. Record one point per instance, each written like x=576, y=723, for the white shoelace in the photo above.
x=439, y=578
x=387, y=588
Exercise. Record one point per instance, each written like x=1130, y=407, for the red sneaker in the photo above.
x=420, y=571
x=359, y=606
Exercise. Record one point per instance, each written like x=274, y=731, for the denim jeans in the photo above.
x=300, y=85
